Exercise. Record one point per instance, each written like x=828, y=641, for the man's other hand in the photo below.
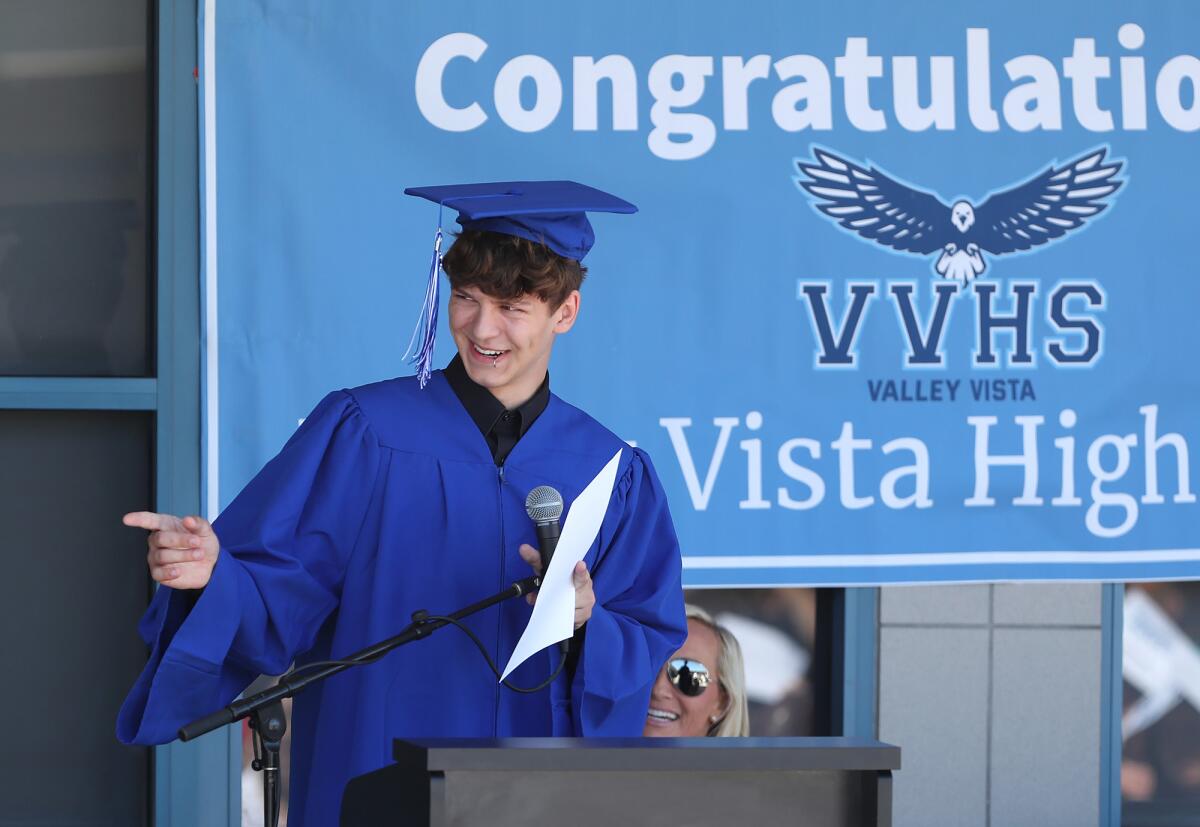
x=182, y=551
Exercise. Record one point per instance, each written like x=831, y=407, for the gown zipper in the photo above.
x=500, y=616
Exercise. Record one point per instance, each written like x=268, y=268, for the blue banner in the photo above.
x=909, y=297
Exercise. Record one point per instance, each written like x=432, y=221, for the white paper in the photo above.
x=553, y=617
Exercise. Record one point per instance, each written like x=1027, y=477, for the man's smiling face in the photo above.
x=505, y=344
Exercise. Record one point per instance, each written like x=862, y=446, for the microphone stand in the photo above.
x=265, y=709
x=269, y=724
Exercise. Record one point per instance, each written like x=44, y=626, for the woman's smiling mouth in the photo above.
x=661, y=716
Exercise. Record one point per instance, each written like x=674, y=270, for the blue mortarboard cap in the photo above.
x=553, y=213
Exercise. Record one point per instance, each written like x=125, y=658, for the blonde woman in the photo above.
x=701, y=689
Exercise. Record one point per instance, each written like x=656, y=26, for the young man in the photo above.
x=407, y=495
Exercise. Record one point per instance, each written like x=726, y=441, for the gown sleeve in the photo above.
x=638, y=620
x=285, y=541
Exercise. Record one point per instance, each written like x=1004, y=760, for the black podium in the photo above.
x=634, y=782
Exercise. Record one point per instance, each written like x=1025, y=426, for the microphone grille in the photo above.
x=544, y=504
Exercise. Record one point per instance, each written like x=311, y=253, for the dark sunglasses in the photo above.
x=688, y=676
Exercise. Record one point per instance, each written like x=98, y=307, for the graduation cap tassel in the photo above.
x=425, y=334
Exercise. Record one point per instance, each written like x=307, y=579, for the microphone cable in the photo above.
x=562, y=659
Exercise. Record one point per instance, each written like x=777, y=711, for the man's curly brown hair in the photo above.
x=506, y=266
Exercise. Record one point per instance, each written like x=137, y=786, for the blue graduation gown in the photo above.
x=387, y=500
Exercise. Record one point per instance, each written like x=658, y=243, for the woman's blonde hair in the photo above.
x=736, y=720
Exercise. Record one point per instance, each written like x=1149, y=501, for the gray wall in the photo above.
x=993, y=694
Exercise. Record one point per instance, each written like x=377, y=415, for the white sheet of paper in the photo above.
x=553, y=617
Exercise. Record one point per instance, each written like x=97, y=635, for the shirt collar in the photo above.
x=486, y=409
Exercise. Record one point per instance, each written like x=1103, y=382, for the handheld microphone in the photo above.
x=544, y=506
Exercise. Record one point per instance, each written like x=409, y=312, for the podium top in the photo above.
x=718, y=754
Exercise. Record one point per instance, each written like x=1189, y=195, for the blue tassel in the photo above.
x=425, y=334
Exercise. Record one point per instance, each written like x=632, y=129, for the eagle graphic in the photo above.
x=867, y=201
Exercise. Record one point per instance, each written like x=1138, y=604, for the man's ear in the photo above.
x=567, y=313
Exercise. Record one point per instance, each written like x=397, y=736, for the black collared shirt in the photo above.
x=500, y=427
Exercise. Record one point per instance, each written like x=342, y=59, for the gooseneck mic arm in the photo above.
x=422, y=626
